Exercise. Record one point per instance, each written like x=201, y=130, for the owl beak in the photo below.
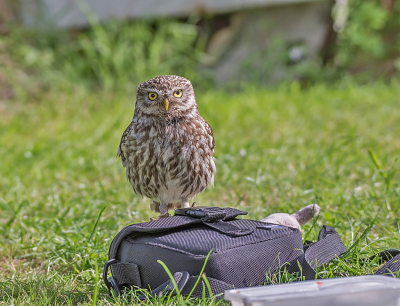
x=166, y=103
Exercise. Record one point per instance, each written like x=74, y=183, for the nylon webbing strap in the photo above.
x=213, y=214
x=328, y=247
x=228, y=228
x=216, y=285
x=180, y=278
x=392, y=265
x=215, y=217
x=301, y=266
x=186, y=283
x=126, y=273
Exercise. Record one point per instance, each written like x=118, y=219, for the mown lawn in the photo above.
x=277, y=151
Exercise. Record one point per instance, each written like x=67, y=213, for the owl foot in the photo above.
x=165, y=215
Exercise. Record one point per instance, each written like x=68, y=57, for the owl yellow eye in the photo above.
x=152, y=96
x=178, y=93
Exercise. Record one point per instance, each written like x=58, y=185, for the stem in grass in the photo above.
x=359, y=239
x=95, y=225
x=378, y=165
x=315, y=219
x=178, y=293
x=96, y=289
x=16, y=212
x=210, y=294
x=201, y=273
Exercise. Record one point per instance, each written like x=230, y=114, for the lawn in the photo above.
x=277, y=150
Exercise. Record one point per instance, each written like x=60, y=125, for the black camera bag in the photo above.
x=242, y=253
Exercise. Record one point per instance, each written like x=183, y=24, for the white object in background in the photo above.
x=370, y=290
x=295, y=220
x=67, y=13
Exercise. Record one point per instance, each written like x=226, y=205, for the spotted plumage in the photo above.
x=168, y=147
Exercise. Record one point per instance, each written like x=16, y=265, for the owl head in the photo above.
x=166, y=96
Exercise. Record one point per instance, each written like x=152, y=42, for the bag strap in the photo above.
x=392, y=259
x=329, y=246
x=184, y=281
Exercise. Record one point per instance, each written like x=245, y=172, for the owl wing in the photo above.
x=127, y=148
x=124, y=139
x=210, y=135
x=211, y=145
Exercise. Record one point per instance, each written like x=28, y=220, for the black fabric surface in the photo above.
x=128, y=273
x=244, y=252
x=240, y=261
x=328, y=247
x=175, y=222
x=182, y=243
x=199, y=239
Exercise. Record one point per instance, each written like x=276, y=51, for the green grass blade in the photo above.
x=378, y=165
x=171, y=277
x=95, y=225
x=96, y=285
x=201, y=273
x=210, y=294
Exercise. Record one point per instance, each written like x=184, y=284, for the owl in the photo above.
x=168, y=147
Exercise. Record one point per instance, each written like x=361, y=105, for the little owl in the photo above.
x=168, y=147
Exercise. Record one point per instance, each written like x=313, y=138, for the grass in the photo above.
x=63, y=193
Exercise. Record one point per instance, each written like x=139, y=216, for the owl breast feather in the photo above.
x=168, y=163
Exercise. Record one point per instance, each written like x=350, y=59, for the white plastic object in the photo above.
x=369, y=290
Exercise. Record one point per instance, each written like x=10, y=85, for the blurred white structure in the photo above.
x=67, y=13
x=304, y=25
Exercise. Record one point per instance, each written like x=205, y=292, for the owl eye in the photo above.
x=178, y=93
x=152, y=96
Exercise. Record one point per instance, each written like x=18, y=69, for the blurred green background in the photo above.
x=311, y=42
x=303, y=98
